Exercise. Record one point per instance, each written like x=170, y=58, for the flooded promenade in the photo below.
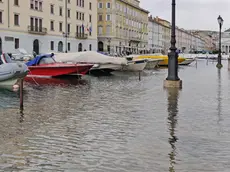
x=120, y=124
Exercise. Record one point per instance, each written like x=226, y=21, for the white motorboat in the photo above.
x=22, y=55
x=103, y=65
x=187, y=61
x=11, y=72
x=137, y=65
x=152, y=63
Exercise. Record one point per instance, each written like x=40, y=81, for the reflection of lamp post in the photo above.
x=173, y=95
x=220, y=21
x=219, y=95
x=109, y=41
x=173, y=80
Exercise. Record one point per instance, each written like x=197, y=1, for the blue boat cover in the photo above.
x=37, y=59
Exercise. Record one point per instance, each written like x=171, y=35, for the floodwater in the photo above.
x=120, y=124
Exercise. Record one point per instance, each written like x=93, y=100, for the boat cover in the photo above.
x=37, y=59
x=89, y=57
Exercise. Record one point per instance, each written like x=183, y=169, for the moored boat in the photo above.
x=159, y=56
x=45, y=66
x=133, y=65
x=11, y=72
x=103, y=65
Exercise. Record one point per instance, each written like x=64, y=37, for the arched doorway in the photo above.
x=100, y=46
x=60, y=46
x=36, y=46
x=0, y=45
x=79, y=47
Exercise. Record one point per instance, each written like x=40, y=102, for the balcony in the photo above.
x=37, y=30
x=81, y=36
x=135, y=39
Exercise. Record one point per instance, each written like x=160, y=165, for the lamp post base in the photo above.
x=219, y=66
x=173, y=84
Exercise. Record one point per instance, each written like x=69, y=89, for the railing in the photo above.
x=137, y=39
x=37, y=30
x=81, y=35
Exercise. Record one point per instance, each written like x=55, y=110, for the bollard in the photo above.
x=139, y=75
x=21, y=95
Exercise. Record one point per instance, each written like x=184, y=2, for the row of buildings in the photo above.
x=113, y=26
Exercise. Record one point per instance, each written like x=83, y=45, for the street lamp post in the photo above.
x=173, y=80
x=220, y=21
x=109, y=41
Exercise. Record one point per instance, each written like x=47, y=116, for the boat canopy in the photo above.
x=38, y=58
x=89, y=57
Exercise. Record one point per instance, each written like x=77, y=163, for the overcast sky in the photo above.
x=192, y=14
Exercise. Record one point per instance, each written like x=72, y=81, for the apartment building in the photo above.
x=43, y=26
x=155, y=34
x=160, y=36
x=122, y=26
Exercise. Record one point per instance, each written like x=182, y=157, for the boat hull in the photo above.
x=152, y=64
x=104, y=69
x=58, y=70
x=135, y=66
x=187, y=62
x=164, y=58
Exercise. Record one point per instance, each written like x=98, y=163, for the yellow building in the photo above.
x=41, y=25
x=122, y=26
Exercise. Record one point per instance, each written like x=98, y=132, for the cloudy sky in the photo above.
x=192, y=14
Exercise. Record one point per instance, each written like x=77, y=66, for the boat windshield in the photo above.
x=47, y=60
x=7, y=58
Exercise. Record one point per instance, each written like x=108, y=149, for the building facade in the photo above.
x=122, y=26
x=155, y=34
x=159, y=33
x=43, y=26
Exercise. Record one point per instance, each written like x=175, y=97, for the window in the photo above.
x=68, y=13
x=83, y=3
x=52, y=9
x=77, y=2
x=100, y=30
x=108, y=29
x=52, y=45
x=40, y=6
x=52, y=25
x=69, y=1
x=16, y=19
x=90, y=47
x=100, y=5
x=90, y=6
x=36, y=5
x=100, y=17
x=68, y=28
x=16, y=43
x=68, y=46
x=60, y=26
x=16, y=2
x=0, y=16
x=77, y=16
x=83, y=16
x=60, y=11
x=108, y=17
x=90, y=18
x=108, y=5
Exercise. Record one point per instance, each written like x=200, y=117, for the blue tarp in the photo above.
x=37, y=59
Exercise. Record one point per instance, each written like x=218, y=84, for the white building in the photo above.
x=155, y=34
x=41, y=25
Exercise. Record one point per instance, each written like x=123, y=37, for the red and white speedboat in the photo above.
x=45, y=66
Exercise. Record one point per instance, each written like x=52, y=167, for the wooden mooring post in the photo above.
x=21, y=94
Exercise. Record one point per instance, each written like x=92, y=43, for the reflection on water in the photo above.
x=219, y=96
x=8, y=98
x=172, y=121
x=118, y=124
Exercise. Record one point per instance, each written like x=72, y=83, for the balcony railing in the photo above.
x=136, y=39
x=37, y=30
x=81, y=35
